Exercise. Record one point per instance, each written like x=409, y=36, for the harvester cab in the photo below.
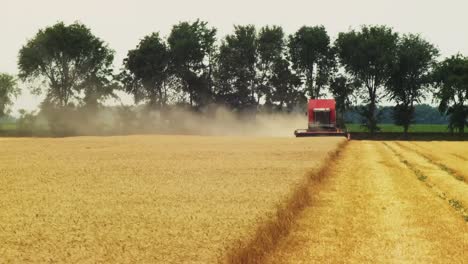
x=322, y=120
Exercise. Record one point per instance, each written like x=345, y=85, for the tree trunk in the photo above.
x=371, y=118
x=310, y=82
x=405, y=131
x=191, y=98
x=210, y=72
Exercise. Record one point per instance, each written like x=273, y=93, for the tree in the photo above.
x=26, y=122
x=342, y=89
x=146, y=71
x=8, y=91
x=367, y=56
x=97, y=88
x=236, y=68
x=270, y=51
x=285, y=86
x=192, y=50
x=451, y=78
x=312, y=57
x=410, y=76
x=68, y=58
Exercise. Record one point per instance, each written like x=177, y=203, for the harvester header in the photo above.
x=321, y=120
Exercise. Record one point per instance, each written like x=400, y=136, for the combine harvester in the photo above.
x=322, y=120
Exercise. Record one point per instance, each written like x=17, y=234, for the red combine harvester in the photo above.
x=322, y=120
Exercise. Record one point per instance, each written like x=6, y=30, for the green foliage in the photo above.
x=69, y=58
x=192, y=47
x=236, y=68
x=342, y=90
x=285, y=83
x=248, y=69
x=403, y=115
x=312, y=57
x=426, y=114
x=398, y=129
x=423, y=114
x=270, y=57
x=27, y=121
x=146, y=71
x=410, y=76
x=367, y=55
x=451, y=78
x=8, y=91
x=7, y=126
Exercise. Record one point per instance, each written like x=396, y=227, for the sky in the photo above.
x=122, y=23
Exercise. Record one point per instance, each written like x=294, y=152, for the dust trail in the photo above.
x=222, y=122
x=213, y=121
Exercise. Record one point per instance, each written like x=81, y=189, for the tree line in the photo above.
x=252, y=69
x=423, y=114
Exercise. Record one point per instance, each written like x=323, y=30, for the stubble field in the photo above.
x=145, y=199
x=398, y=202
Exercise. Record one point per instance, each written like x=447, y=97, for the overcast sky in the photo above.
x=121, y=23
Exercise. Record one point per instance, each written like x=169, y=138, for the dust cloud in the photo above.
x=217, y=121
x=226, y=123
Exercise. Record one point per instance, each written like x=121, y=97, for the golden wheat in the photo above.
x=144, y=199
x=373, y=208
x=450, y=156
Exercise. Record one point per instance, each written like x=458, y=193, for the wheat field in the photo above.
x=381, y=203
x=144, y=199
x=450, y=156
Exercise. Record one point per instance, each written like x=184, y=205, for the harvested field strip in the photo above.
x=440, y=147
x=373, y=210
x=447, y=165
x=459, y=170
x=454, y=153
x=278, y=226
x=438, y=180
x=459, y=156
x=457, y=149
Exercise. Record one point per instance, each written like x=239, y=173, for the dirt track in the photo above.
x=373, y=208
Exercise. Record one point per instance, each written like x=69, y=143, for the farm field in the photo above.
x=144, y=199
x=391, y=205
x=7, y=126
x=450, y=156
x=195, y=199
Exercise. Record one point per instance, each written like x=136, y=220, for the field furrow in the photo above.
x=454, y=191
x=373, y=209
x=445, y=157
